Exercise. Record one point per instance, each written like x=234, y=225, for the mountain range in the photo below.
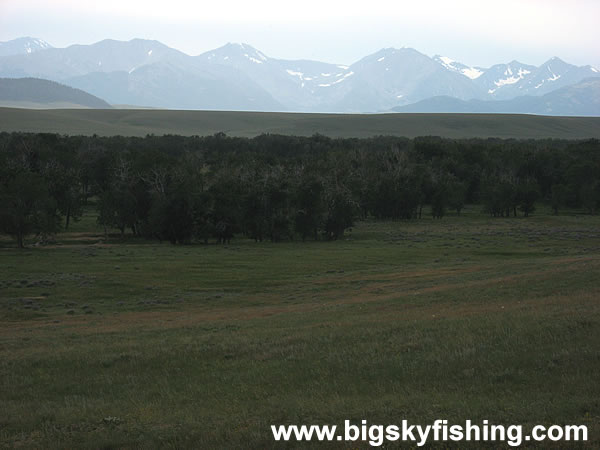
x=240, y=77
x=580, y=99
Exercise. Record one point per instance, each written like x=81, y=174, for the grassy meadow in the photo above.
x=140, y=122
x=111, y=343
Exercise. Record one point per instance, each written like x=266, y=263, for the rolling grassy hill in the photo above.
x=249, y=124
x=43, y=94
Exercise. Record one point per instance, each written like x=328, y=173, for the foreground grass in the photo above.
x=134, y=344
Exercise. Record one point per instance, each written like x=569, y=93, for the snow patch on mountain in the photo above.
x=41, y=43
x=340, y=77
x=472, y=73
x=505, y=81
x=260, y=55
x=512, y=79
x=447, y=61
x=293, y=72
x=454, y=66
x=554, y=77
x=251, y=58
x=29, y=45
x=300, y=75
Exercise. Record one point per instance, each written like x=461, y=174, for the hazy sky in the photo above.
x=476, y=32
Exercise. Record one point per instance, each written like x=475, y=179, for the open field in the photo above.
x=107, y=343
x=35, y=105
x=249, y=124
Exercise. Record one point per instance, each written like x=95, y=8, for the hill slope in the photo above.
x=35, y=92
x=142, y=122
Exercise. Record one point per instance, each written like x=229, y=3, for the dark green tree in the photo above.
x=310, y=207
x=456, y=192
x=559, y=197
x=341, y=209
x=26, y=207
x=590, y=196
x=528, y=193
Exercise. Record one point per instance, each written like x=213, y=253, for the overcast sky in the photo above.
x=476, y=32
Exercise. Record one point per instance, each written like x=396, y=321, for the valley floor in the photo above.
x=107, y=343
x=141, y=122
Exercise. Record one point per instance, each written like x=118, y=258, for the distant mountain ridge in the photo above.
x=37, y=93
x=23, y=46
x=581, y=99
x=240, y=77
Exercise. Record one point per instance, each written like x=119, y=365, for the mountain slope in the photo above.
x=392, y=76
x=44, y=93
x=293, y=83
x=555, y=74
x=581, y=99
x=166, y=85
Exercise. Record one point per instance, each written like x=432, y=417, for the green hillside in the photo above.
x=248, y=124
x=38, y=93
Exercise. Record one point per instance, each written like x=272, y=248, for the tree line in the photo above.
x=271, y=187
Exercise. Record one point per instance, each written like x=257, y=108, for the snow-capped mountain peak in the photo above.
x=23, y=46
x=500, y=78
x=235, y=51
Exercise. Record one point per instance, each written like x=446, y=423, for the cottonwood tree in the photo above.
x=26, y=207
x=310, y=206
x=527, y=194
x=64, y=185
x=341, y=209
x=457, y=193
x=590, y=196
x=559, y=197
